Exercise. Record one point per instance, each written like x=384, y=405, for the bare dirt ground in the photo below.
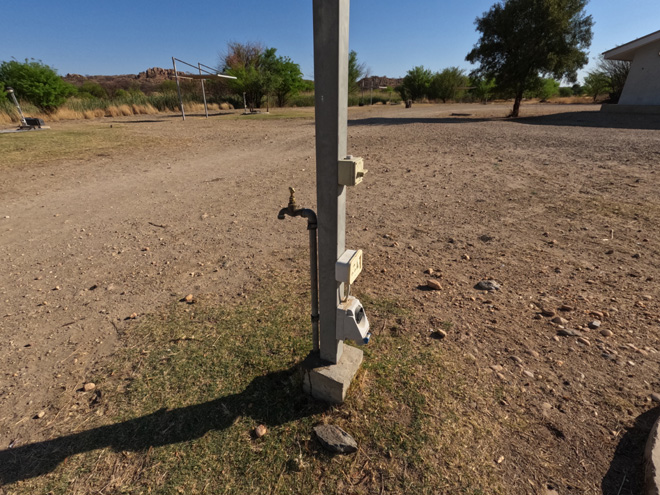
x=560, y=207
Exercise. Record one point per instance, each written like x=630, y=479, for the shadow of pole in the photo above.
x=625, y=475
x=272, y=399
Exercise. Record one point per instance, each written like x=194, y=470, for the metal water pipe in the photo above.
x=312, y=226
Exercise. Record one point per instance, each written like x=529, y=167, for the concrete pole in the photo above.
x=331, y=88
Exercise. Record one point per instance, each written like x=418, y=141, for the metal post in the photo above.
x=13, y=97
x=331, y=88
x=178, y=88
x=206, y=110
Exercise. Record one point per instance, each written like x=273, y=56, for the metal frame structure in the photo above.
x=200, y=76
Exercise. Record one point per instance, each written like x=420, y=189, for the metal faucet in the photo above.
x=293, y=211
x=292, y=208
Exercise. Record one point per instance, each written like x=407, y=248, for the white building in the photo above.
x=642, y=89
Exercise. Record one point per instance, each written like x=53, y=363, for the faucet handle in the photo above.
x=292, y=198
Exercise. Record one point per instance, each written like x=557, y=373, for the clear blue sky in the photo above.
x=129, y=36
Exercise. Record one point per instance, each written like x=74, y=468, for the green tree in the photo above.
x=242, y=61
x=282, y=77
x=416, y=83
x=307, y=85
x=482, y=88
x=36, y=82
x=3, y=93
x=448, y=84
x=596, y=83
x=356, y=71
x=577, y=89
x=565, y=92
x=260, y=72
x=521, y=39
x=542, y=88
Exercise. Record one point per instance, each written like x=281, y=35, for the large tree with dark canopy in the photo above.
x=524, y=39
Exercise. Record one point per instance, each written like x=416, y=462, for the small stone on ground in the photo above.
x=335, y=439
x=260, y=431
x=560, y=321
x=487, y=285
x=568, y=332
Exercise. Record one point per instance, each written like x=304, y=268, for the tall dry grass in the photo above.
x=64, y=113
x=571, y=100
x=94, y=108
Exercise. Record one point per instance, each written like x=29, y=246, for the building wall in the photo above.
x=643, y=83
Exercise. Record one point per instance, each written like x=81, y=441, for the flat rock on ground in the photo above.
x=334, y=439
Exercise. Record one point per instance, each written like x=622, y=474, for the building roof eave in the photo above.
x=627, y=51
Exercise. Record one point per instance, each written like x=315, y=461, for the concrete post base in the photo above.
x=330, y=382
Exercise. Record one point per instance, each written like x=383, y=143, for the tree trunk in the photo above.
x=516, y=104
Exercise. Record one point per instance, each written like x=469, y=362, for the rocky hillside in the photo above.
x=377, y=81
x=147, y=81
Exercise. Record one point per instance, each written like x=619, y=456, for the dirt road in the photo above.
x=560, y=207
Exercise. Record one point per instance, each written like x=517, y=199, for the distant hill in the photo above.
x=377, y=81
x=150, y=80
x=147, y=81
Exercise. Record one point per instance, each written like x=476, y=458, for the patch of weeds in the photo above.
x=382, y=306
x=447, y=325
x=43, y=147
x=183, y=400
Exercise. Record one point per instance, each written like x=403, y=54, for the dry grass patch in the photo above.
x=94, y=114
x=125, y=110
x=184, y=398
x=48, y=146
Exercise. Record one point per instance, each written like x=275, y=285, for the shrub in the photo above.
x=167, y=86
x=91, y=89
x=302, y=100
x=448, y=84
x=36, y=82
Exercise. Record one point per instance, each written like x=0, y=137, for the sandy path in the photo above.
x=87, y=244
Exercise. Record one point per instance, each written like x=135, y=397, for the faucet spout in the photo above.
x=292, y=208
